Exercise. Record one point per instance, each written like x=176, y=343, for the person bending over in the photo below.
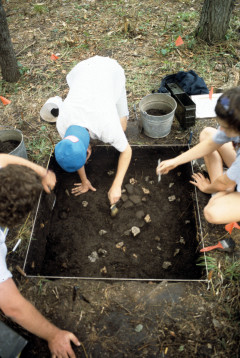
x=219, y=147
x=21, y=182
x=96, y=107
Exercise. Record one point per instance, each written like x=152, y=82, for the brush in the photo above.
x=227, y=245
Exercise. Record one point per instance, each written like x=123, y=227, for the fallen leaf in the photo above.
x=210, y=275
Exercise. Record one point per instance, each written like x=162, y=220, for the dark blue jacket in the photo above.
x=189, y=81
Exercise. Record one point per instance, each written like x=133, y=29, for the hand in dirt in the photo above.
x=81, y=188
x=114, y=194
x=201, y=182
x=165, y=166
x=60, y=344
x=49, y=181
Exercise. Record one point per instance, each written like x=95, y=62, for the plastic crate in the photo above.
x=186, y=108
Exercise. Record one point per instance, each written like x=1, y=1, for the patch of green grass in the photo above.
x=232, y=269
x=41, y=284
x=8, y=87
x=178, y=25
x=190, y=41
x=40, y=8
x=22, y=69
x=166, y=50
x=210, y=261
x=186, y=16
x=39, y=148
x=233, y=31
x=226, y=267
x=83, y=6
x=22, y=233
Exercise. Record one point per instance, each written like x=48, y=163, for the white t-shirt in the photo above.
x=4, y=272
x=96, y=100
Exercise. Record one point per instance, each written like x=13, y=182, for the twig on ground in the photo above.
x=20, y=270
x=25, y=48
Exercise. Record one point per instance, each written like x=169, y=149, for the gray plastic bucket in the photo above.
x=16, y=135
x=157, y=126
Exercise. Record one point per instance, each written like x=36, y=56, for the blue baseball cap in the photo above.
x=71, y=151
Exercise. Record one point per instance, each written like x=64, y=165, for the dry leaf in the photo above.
x=210, y=275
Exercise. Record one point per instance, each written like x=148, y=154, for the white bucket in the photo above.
x=157, y=126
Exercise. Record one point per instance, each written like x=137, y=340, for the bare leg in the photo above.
x=223, y=208
x=214, y=161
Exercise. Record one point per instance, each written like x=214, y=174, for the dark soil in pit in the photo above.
x=8, y=146
x=81, y=239
x=157, y=112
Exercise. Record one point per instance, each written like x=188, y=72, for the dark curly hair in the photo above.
x=228, y=108
x=20, y=188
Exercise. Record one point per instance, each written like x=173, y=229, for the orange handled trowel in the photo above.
x=227, y=245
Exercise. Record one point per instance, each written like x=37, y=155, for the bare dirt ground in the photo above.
x=120, y=319
x=136, y=243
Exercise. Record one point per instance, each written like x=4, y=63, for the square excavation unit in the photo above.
x=154, y=236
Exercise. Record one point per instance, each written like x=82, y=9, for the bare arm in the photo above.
x=114, y=193
x=6, y=159
x=48, y=177
x=82, y=175
x=15, y=306
x=198, y=151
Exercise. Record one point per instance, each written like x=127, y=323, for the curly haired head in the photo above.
x=20, y=188
x=228, y=108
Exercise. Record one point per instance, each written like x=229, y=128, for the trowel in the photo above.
x=113, y=210
x=227, y=245
x=51, y=200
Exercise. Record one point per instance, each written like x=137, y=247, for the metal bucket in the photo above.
x=11, y=344
x=16, y=135
x=157, y=126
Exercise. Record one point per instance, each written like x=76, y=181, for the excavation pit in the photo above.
x=153, y=237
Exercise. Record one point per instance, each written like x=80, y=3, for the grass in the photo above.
x=231, y=269
x=39, y=148
x=224, y=276
x=40, y=8
x=23, y=233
